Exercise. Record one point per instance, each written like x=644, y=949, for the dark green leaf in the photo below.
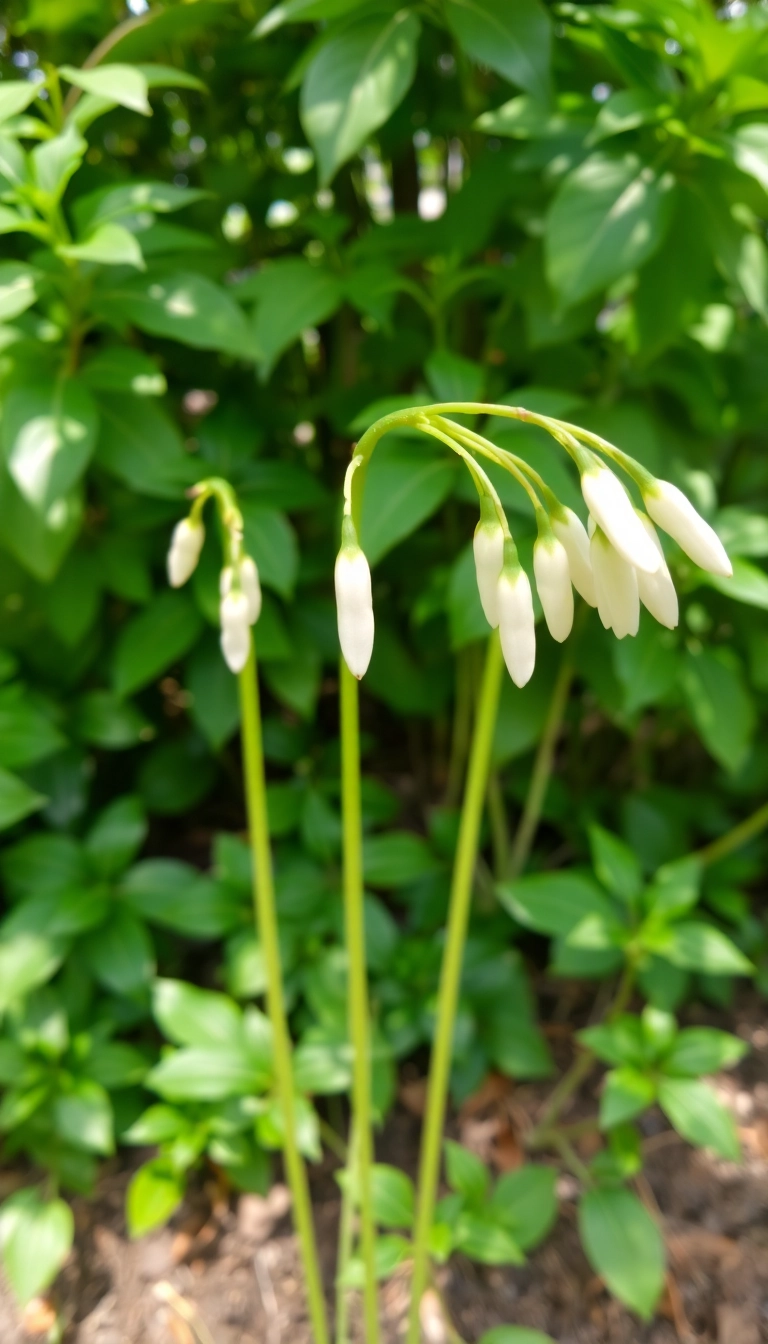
x=720, y=705
x=466, y=1173
x=697, y=1114
x=396, y=859
x=624, y=1246
x=48, y=435
x=355, y=80
x=609, y=216
x=153, y=640
x=627, y=1092
x=401, y=493
x=291, y=295
x=83, y=1117
x=514, y=39
x=615, y=865
x=526, y=1203
x=554, y=903
x=699, y=1050
x=116, y=836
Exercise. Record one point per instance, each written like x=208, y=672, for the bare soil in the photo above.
x=227, y=1271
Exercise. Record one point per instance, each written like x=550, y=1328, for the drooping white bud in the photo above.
x=184, y=551
x=354, y=608
x=657, y=591
x=671, y=510
x=612, y=509
x=569, y=529
x=553, y=581
x=251, y=586
x=618, y=600
x=516, y=625
x=235, y=629
x=488, y=546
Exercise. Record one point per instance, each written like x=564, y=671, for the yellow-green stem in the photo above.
x=739, y=835
x=450, y=975
x=266, y=925
x=346, y=1241
x=359, y=1016
x=542, y=770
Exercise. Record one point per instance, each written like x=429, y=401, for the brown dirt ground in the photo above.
x=227, y=1272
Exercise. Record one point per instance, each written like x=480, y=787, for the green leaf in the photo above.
x=118, y=368
x=390, y=1251
x=130, y=199
x=675, y=888
x=742, y=532
x=121, y=84
x=154, y=1194
x=646, y=666
x=553, y=903
x=615, y=864
x=42, y=863
x=301, y=11
x=291, y=295
x=354, y=82
x=17, y=800
x=215, y=704
x=465, y=1172
x=526, y=1203
x=696, y=1113
x=185, y=307
x=191, y=1016
x=393, y=1196
x=108, y=245
x=207, y=1073
x=453, y=378
x=179, y=897
x=15, y=96
x=116, y=836
x=609, y=216
x=176, y=775
x=18, y=288
x=747, y=584
x=35, y=1237
x=38, y=542
x=153, y=640
x=698, y=1050
x=748, y=146
x=115, y=1064
x=514, y=1334
x=401, y=493
x=142, y=447
x=83, y=1117
x=55, y=161
x=105, y=720
x=720, y=705
x=26, y=732
x=48, y=437
x=482, y=1238
x=696, y=946
x=120, y=954
x=627, y=1092
x=625, y=111
x=624, y=1246
x=514, y=40
x=618, y=1042
x=26, y=961
x=396, y=859
x=271, y=540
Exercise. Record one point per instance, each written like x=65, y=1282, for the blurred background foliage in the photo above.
x=231, y=260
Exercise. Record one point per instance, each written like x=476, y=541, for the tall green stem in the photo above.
x=346, y=1241
x=739, y=835
x=450, y=976
x=542, y=770
x=359, y=1016
x=266, y=924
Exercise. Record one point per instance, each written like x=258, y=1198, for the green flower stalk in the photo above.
x=239, y=611
x=622, y=565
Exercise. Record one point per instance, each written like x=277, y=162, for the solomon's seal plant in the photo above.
x=615, y=564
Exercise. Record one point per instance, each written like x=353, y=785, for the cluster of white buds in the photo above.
x=615, y=565
x=239, y=586
x=239, y=609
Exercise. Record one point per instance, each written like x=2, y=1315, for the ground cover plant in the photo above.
x=508, y=247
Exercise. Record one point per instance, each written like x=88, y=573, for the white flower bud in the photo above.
x=184, y=552
x=569, y=529
x=553, y=581
x=488, y=546
x=671, y=510
x=249, y=582
x=657, y=591
x=235, y=629
x=612, y=510
x=516, y=626
x=618, y=602
x=354, y=609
